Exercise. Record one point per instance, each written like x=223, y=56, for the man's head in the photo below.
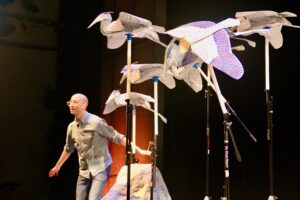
x=78, y=104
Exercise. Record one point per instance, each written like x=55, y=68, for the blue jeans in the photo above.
x=91, y=188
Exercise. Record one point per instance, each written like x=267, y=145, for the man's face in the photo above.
x=77, y=105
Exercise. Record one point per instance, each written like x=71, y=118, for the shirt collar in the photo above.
x=84, y=118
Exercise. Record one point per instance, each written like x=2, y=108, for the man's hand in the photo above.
x=53, y=172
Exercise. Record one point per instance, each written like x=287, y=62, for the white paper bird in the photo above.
x=213, y=46
x=143, y=72
x=116, y=100
x=271, y=21
x=116, y=31
x=200, y=40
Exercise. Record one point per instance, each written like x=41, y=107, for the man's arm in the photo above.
x=63, y=157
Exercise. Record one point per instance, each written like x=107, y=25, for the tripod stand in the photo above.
x=129, y=108
x=207, y=160
x=226, y=124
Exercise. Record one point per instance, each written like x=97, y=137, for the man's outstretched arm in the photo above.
x=63, y=157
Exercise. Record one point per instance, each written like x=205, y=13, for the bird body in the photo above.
x=143, y=72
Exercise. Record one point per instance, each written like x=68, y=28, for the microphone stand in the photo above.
x=227, y=130
x=153, y=145
x=207, y=96
x=269, y=105
x=226, y=124
x=128, y=144
x=128, y=116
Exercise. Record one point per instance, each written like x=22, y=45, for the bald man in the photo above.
x=87, y=134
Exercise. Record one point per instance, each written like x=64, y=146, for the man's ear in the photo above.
x=85, y=105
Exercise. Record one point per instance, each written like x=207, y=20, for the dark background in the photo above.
x=34, y=116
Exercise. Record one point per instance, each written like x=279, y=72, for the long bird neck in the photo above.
x=103, y=26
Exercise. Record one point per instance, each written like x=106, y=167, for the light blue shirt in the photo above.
x=88, y=137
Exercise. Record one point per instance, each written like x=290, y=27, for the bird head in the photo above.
x=102, y=16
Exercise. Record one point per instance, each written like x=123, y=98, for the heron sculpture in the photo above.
x=116, y=31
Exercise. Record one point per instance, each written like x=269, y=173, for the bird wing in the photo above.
x=132, y=22
x=139, y=99
x=193, y=78
x=275, y=36
x=115, y=26
x=226, y=61
x=116, y=40
x=113, y=102
x=168, y=80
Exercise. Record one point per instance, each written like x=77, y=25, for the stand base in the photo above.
x=140, y=184
x=207, y=198
x=272, y=198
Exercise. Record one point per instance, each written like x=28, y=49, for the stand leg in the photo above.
x=226, y=158
x=207, y=95
x=128, y=144
x=153, y=167
x=269, y=104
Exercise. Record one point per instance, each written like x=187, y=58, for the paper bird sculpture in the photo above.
x=266, y=19
x=210, y=42
x=143, y=72
x=116, y=31
x=199, y=38
x=116, y=100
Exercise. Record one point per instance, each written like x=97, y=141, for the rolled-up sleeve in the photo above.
x=109, y=132
x=69, y=146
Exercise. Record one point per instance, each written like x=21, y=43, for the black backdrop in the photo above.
x=184, y=168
